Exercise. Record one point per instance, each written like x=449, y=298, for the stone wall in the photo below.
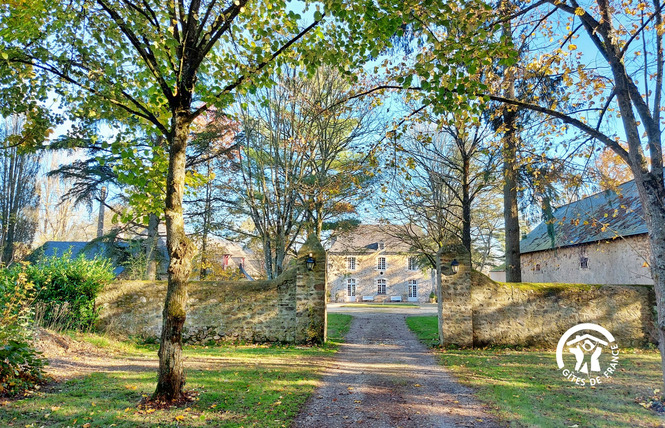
x=538, y=314
x=254, y=311
x=454, y=300
x=619, y=261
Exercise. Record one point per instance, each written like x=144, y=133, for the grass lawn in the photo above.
x=250, y=386
x=526, y=389
x=338, y=326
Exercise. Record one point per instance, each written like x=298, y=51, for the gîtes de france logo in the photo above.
x=596, y=355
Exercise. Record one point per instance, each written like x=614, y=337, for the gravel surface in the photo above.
x=384, y=377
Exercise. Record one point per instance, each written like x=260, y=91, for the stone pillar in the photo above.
x=457, y=321
x=311, y=315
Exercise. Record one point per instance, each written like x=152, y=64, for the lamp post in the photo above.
x=454, y=265
x=310, y=262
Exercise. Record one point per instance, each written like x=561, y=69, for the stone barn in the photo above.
x=600, y=239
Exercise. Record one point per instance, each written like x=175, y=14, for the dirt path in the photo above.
x=384, y=377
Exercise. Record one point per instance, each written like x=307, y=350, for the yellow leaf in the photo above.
x=572, y=47
x=179, y=418
x=579, y=11
x=150, y=411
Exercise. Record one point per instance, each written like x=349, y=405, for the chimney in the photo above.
x=100, y=220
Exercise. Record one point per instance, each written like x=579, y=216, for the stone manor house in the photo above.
x=368, y=264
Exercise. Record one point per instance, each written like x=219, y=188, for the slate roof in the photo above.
x=88, y=249
x=603, y=216
x=365, y=238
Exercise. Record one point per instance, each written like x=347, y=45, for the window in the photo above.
x=351, y=287
x=351, y=263
x=413, y=288
x=381, y=286
x=381, y=246
x=584, y=262
x=381, y=263
x=537, y=267
x=412, y=265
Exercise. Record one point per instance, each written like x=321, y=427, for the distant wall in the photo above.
x=538, y=314
x=256, y=311
x=290, y=309
x=619, y=261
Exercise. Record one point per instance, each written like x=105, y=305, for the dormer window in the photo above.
x=351, y=263
x=381, y=246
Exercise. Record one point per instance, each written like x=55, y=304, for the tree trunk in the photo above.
x=280, y=254
x=466, y=204
x=267, y=257
x=652, y=195
x=171, y=373
x=510, y=211
x=439, y=295
x=150, y=247
x=207, y=214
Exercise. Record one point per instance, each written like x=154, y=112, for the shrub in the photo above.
x=16, y=295
x=21, y=367
x=66, y=289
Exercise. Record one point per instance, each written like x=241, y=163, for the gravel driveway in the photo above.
x=383, y=376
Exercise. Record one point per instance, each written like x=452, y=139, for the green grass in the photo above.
x=425, y=328
x=249, y=386
x=381, y=305
x=526, y=389
x=338, y=326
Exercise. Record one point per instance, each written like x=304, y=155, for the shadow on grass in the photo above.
x=525, y=387
x=257, y=389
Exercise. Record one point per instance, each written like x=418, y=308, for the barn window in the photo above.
x=584, y=262
x=537, y=267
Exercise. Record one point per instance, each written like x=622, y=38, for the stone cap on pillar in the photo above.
x=312, y=248
x=454, y=251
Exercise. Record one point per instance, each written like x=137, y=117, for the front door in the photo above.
x=413, y=290
x=350, y=290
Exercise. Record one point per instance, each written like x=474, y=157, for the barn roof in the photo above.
x=89, y=250
x=365, y=238
x=603, y=216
